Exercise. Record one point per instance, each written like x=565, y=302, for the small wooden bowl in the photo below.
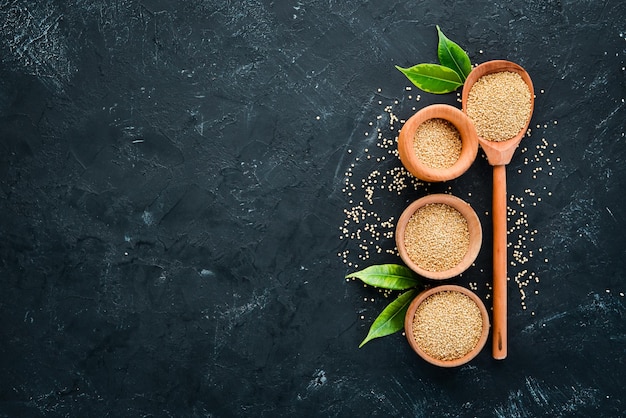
x=469, y=143
x=474, y=227
x=410, y=315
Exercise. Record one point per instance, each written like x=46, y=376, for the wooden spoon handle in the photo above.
x=499, y=205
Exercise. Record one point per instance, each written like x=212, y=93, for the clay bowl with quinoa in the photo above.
x=447, y=325
x=438, y=236
x=437, y=143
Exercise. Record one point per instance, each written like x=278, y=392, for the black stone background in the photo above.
x=171, y=180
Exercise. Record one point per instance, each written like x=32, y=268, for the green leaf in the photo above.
x=433, y=78
x=391, y=319
x=387, y=276
x=452, y=56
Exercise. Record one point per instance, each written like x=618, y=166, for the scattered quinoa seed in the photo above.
x=373, y=174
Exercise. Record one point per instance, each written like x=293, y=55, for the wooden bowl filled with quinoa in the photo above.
x=437, y=143
x=447, y=325
x=438, y=236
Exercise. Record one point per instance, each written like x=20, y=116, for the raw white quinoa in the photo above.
x=499, y=105
x=447, y=325
x=436, y=237
x=437, y=143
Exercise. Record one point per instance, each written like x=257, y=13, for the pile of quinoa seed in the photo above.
x=499, y=105
x=437, y=143
x=437, y=237
x=447, y=325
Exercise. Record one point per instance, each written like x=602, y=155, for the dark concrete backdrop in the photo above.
x=176, y=183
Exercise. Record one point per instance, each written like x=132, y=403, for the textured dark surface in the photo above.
x=173, y=180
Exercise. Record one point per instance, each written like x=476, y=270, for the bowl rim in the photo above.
x=473, y=224
x=410, y=315
x=467, y=133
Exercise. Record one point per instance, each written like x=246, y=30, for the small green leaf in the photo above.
x=433, y=78
x=387, y=276
x=391, y=319
x=452, y=56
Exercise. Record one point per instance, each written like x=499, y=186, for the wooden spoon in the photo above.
x=499, y=154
